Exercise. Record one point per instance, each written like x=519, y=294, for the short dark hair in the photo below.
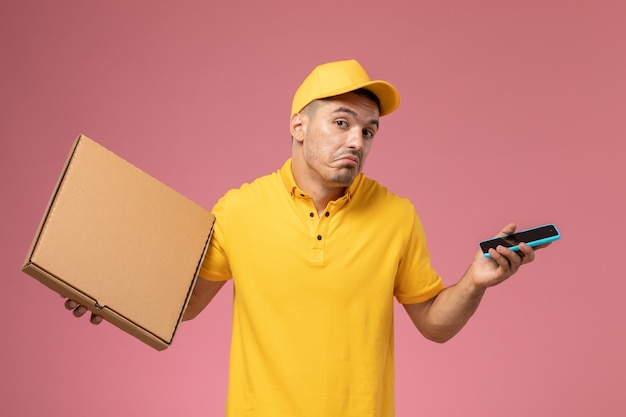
x=364, y=92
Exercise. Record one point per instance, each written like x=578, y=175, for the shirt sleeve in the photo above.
x=215, y=266
x=416, y=280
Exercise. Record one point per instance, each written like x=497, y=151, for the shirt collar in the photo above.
x=286, y=174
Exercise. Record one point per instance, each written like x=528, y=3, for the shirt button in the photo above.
x=311, y=214
x=319, y=237
x=327, y=214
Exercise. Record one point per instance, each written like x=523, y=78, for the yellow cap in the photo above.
x=340, y=77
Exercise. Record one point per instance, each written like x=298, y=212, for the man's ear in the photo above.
x=296, y=126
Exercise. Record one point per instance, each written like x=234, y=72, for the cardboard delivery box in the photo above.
x=121, y=243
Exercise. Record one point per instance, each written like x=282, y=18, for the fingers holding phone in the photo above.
x=511, y=259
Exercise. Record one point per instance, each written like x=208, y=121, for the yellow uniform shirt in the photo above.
x=313, y=295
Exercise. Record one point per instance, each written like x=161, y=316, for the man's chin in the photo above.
x=345, y=177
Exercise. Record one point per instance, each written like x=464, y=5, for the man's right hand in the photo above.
x=203, y=292
x=80, y=310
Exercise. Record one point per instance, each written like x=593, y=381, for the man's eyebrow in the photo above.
x=354, y=114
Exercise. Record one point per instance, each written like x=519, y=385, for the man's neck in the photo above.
x=320, y=193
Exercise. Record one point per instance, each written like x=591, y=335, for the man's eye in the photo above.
x=341, y=123
x=368, y=133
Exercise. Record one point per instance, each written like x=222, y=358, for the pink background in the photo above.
x=511, y=111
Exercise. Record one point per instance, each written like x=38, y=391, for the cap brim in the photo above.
x=386, y=93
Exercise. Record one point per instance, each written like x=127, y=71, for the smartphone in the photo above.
x=532, y=237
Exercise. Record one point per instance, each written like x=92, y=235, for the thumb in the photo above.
x=507, y=230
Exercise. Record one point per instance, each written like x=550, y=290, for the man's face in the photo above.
x=336, y=137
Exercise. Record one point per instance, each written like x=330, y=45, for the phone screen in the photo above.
x=526, y=236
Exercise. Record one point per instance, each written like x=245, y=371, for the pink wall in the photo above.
x=509, y=113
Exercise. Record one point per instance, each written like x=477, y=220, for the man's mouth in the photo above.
x=348, y=159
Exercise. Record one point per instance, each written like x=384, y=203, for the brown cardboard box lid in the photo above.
x=121, y=243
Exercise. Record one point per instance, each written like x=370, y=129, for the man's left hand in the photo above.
x=487, y=272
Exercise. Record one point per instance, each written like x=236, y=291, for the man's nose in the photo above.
x=355, y=138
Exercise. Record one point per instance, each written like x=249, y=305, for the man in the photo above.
x=317, y=252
